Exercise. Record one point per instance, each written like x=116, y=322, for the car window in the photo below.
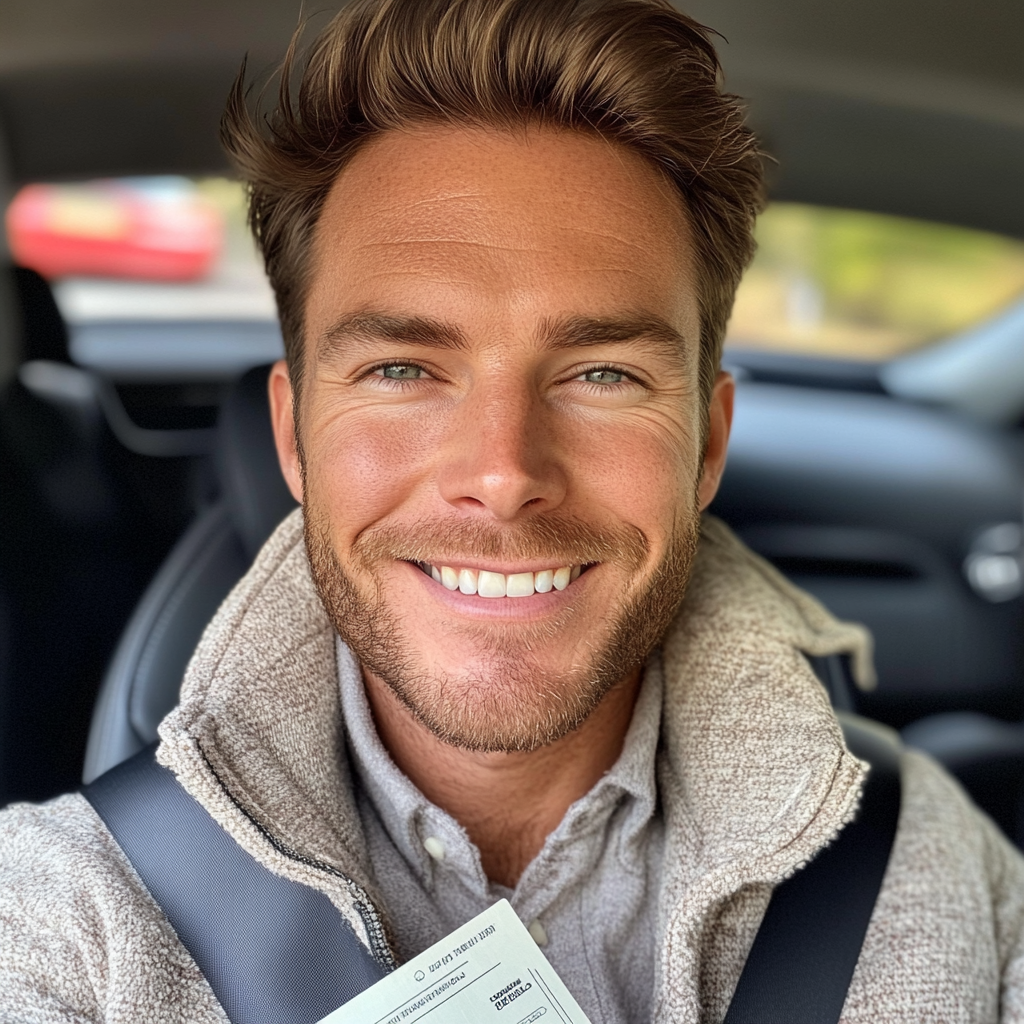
x=142, y=248
x=853, y=285
x=157, y=277
x=132, y=253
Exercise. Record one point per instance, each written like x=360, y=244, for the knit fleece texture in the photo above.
x=753, y=776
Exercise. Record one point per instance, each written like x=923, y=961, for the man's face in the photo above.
x=500, y=397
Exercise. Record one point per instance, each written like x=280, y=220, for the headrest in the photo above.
x=250, y=477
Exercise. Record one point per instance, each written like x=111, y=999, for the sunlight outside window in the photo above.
x=853, y=285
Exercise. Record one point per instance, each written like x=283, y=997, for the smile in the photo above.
x=497, y=584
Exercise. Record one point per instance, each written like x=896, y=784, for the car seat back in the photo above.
x=144, y=677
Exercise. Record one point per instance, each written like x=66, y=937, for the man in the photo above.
x=499, y=653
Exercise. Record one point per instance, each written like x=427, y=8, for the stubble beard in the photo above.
x=517, y=703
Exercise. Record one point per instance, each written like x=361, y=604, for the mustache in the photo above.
x=553, y=538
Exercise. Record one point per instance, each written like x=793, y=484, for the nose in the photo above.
x=500, y=455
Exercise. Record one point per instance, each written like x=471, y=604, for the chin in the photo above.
x=483, y=714
x=498, y=701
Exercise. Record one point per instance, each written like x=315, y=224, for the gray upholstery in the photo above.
x=144, y=677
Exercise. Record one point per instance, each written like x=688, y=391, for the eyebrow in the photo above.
x=585, y=331
x=372, y=326
x=556, y=333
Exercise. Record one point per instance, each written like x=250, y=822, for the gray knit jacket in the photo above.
x=752, y=773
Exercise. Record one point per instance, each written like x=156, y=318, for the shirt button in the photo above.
x=537, y=932
x=434, y=847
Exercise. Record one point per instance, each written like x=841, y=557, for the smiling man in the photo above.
x=500, y=652
x=504, y=451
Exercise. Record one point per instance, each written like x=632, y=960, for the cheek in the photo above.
x=643, y=471
x=367, y=464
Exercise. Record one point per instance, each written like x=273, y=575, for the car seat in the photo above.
x=144, y=677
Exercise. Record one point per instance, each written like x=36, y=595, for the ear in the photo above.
x=282, y=419
x=719, y=425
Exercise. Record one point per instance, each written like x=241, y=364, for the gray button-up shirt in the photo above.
x=588, y=897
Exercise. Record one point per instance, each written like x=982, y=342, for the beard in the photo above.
x=509, y=700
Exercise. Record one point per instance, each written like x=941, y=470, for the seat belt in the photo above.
x=801, y=964
x=273, y=951
x=277, y=952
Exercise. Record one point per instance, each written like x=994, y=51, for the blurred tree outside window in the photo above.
x=854, y=285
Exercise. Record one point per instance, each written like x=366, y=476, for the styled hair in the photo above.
x=637, y=72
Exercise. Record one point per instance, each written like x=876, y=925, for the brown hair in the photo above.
x=637, y=72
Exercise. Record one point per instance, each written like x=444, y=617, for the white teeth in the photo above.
x=544, y=581
x=519, y=584
x=496, y=584
x=491, y=584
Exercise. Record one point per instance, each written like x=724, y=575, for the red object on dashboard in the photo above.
x=114, y=229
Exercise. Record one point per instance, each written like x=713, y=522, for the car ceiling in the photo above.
x=914, y=108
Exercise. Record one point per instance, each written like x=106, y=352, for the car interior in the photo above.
x=137, y=470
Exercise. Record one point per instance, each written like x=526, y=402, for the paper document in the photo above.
x=488, y=970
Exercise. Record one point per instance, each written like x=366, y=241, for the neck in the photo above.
x=508, y=803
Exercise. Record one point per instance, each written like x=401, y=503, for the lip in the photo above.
x=518, y=609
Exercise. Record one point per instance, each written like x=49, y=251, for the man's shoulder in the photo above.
x=951, y=863
x=79, y=934
x=60, y=869
x=51, y=839
x=939, y=816
x=946, y=940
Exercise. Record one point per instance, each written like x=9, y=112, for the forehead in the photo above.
x=476, y=222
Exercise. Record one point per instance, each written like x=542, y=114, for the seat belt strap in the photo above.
x=802, y=961
x=272, y=950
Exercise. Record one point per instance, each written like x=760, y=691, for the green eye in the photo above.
x=401, y=371
x=604, y=377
